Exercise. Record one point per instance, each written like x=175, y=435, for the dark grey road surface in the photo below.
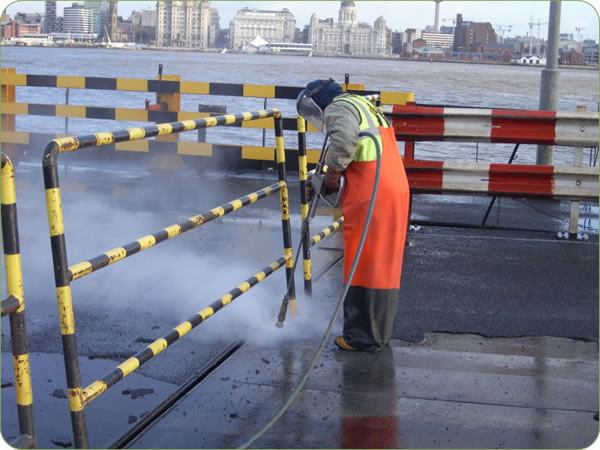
x=456, y=280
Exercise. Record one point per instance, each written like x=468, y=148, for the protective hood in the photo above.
x=314, y=98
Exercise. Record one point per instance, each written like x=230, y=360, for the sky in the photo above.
x=577, y=16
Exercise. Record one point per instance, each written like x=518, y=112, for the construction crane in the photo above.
x=503, y=28
x=531, y=24
x=538, y=23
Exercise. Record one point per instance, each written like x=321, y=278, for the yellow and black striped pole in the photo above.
x=290, y=296
x=62, y=280
x=15, y=306
x=130, y=365
x=304, y=206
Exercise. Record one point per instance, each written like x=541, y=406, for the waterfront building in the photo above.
x=348, y=36
x=77, y=20
x=444, y=41
x=32, y=18
x=13, y=28
x=142, y=26
x=214, y=28
x=468, y=36
x=99, y=15
x=50, y=24
x=571, y=58
x=532, y=60
x=183, y=23
x=405, y=41
x=273, y=26
x=496, y=52
x=590, y=52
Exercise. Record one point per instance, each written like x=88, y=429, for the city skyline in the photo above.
x=509, y=18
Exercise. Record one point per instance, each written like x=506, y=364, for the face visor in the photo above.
x=308, y=109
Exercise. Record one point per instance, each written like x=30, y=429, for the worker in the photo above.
x=371, y=303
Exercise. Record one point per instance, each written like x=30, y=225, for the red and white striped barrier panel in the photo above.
x=424, y=123
x=508, y=180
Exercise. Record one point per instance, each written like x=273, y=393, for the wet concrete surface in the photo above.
x=112, y=414
x=456, y=390
x=448, y=391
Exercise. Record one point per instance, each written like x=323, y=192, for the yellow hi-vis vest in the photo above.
x=370, y=121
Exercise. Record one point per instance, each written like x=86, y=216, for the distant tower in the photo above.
x=436, y=23
x=347, y=15
x=50, y=17
x=110, y=29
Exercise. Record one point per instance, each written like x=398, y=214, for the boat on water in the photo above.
x=288, y=48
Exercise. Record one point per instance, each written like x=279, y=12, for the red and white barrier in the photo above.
x=511, y=180
x=423, y=123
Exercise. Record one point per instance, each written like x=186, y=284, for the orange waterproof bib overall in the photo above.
x=372, y=301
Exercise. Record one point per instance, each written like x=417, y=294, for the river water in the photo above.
x=453, y=84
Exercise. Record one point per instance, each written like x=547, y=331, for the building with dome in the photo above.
x=348, y=36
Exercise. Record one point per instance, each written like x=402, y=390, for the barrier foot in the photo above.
x=572, y=236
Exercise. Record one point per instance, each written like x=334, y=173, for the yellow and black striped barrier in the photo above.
x=64, y=274
x=235, y=155
x=127, y=367
x=81, y=269
x=335, y=226
x=126, y=114
x=184, y=87
x=166, y=87
x=144, y=85
x=14, y=306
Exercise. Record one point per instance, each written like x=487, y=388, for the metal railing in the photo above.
x=80, y=397
x=14, y=306
x=168, y=91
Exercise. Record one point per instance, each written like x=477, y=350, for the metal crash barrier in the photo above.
x=414, y=123
x=80, y=397
x=14, y=306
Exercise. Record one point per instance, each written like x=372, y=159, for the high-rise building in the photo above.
x=99, y=15
x=50, y=18
x=77, y=19
x=183, y=23
x=348, y=36
x=468, y=36
x=590, y=52
x=272, y=26
x=214, y=29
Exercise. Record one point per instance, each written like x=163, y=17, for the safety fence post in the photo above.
x=304, y=207
x=14, y=305
x=285, y=216
x=62, y=278
x=574, y=207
